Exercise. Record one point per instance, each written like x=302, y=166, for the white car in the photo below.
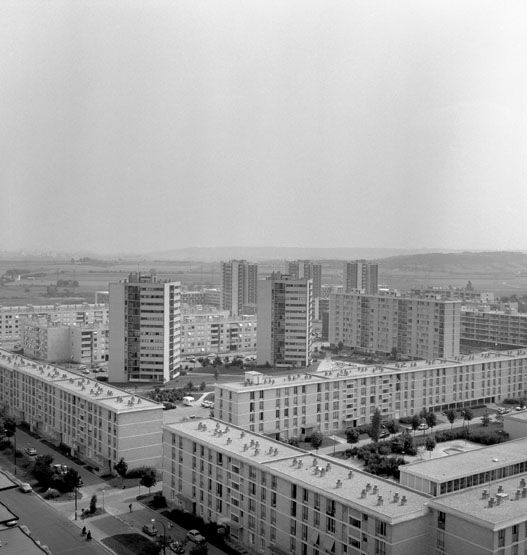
x=31, y=451
x=24, y=487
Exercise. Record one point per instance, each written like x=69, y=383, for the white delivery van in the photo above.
x=188, y=401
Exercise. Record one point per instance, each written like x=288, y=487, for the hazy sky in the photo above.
x=143, y=126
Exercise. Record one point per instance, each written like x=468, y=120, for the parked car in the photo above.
x=207, y=404
x=31, y=451
x=60, y=468
x=195, y=536
x=177, y=547
x=13, y=522
x=384, y=433
x=24, y=487
x=423, y=426
x=150, y=530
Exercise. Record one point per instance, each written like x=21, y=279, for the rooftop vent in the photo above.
x=368, y=486
x=485, y=494
x=380, y=500
x=491, y=503
x=363, y=494
x=403, y=500
x=229, y=441
x=338, y=484
x=396, y=497
x=350, y=474
x=375, y=490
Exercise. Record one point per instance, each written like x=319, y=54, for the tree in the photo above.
x=430, y=419
x=148, y=479
x=416, y=422
x=202, y=386
x=352, y=435
x=485, y=419
x=468, y=415
x=340, y=346
x=9, y=427
x=93, y=504
x=121, y=468
x=71, y=480
x=216, y=373
x=451, y=416
x=316, y=439
x=430, y=444
x=190, y=385
x=375, y=427
x=42, y=470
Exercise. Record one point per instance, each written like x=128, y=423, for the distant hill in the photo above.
x=280, y=253
x=464, y=263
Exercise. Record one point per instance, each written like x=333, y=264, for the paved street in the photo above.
x=48, y=525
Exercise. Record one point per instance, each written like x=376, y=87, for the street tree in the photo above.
x=468, y=415
x=148, y=479
x=485, y=419
x=416, y=421
x=93, y=504
x=430, y=444
x=451, y=416
x=71, y=480
x=375, y=425
x=121, y=468
x=430, y=419
x=316, y=439
x=42, y=470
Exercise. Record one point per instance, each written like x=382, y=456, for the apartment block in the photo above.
x=285, y=316
x=275, y=499
x=467, y=469
x=361, y=275
x=100, y=424
x=340, y=395
x=493, y=328
x=67, y=314
x=486, y=519
x=145, y=328
x=306, y=269
x=56, y=342
x=239, y=287
x=217, y=332
x=412, y=326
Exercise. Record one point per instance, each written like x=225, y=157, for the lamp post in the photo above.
x=164, y=534
x=76, y=494
x=14, y=452
x=103, y=500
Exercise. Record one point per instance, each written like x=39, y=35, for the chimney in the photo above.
x=338, y=484
x=500, y=489
x=380, y=500
x=403, y=500
x=328, y=467
x=294, y=462
x=524, y=492
x=396, y=497
x=522, y=483
x=363, y=494
x=518, y=494
x=368, y=486
x=350, y=474
x=315, y=462
x=491, y=503
x=375, y=490
x=322, y=473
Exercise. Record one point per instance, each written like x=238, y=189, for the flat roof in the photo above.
x=6, y=514
x=470, y=504
x=304, y=467
x=86, y=388
x=329, y=369
x=5, y=481
x=469, y=462
x=17, y=541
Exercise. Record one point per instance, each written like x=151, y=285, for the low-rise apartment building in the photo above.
x=101, y=424
x=217, y=332
x=387, y=323
x=67, y=314
x=275, y=499
x=465, y=470
x=340, y=395
x=56, y=342
x=493, y=328
x=489, y=519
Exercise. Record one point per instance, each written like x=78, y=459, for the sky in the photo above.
x=133, y=126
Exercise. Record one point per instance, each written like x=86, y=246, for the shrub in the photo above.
x=352, y=435
x=511, y=401
x=51, y=493
x=159, y=501
x=139, y=472
x=5, y=444
x=405, y=420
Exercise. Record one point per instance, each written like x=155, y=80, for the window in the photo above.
x=330, y=524
x=380, y=547
x=441, y=520
x=355, y=522
x=501, y=538
x=380, y=528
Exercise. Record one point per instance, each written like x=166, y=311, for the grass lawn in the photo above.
x=131, y=544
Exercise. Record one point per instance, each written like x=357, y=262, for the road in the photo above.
x=48, y=525
x=24, y=440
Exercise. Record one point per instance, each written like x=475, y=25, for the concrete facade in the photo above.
x=417, y=327
x=493, y=328
x=239, y=287
x=341, y=395
x=100, y=424
x=212, y=332
x=275, y=499
x=145, y=328
x=361, y=275
x=285, y=317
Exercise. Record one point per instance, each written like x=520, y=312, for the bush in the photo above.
x=5, y=444
x=352, y=435
x=139, y=472
x=511, y=401
x=51, y=493
x=485, y=437
x=159, y=501
x=406, y=420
